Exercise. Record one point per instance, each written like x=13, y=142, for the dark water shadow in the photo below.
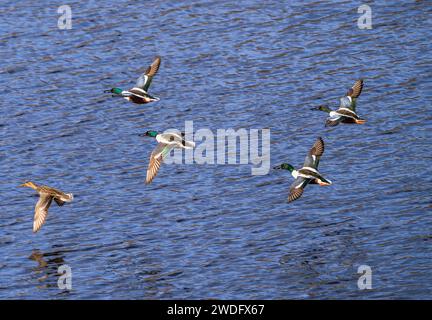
x=47, y=270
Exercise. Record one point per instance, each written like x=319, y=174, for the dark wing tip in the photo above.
x=295, y=193
x=153, y=169
x=154, y=67
x=318, y=147
x=356, y=90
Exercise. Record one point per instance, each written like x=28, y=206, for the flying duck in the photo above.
x=46, y=196
x=308, y=174
x=347, y=109
x=166, y=142
x=139, y=94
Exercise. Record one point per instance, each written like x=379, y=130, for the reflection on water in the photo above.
x=46, y=271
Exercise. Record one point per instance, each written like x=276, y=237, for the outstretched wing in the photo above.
x=41, y=210
x=315, y=153
x=356, y=89
x=297, y=187
x=333, y=121
x=145, y=79
x=349, y=101
x=156, y=159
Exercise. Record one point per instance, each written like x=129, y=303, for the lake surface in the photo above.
x=215, y=231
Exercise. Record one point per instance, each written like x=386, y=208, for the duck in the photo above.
x=166, y=143
x=139, y=93
x=46, y=196
x=308, y=174
x=347, y=109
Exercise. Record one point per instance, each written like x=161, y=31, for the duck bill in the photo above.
x=277, y=167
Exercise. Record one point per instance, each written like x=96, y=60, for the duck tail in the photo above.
x=152, y=98
x=324, y=182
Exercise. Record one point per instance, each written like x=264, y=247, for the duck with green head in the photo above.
x=308, y=174
x=166, y=142
x=347, y=109
x=139, y=94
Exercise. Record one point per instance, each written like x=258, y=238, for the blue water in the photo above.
x=215, y=231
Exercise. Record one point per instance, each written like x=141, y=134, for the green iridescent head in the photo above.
x=116, y=90
x=151, y=133
x=322, y=108
x=285, y=166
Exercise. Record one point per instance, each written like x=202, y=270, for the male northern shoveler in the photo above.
x=139, y=94
x=46, y=196
x=308, y=173
x=347, y=109
x=166, y=142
